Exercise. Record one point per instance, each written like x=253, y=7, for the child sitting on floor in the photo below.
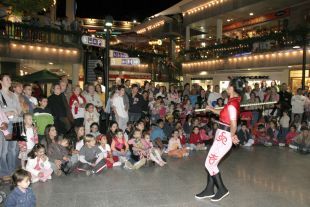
x=58, y=154
x=90, y=158
x=244, y=136
x=260, y=134
x=106, y=150
x=38, y=164
x=120, y=148
x=195, y=142
x=175, y=148
x=291, y=135
x=272, y=134
x=155, y=153
x=31, y=139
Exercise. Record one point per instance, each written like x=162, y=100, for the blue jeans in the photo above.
x=119, y=154
x=255, y=115
x=134, y=117
x=8, y=154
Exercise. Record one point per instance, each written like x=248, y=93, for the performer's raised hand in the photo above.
x=235, y=139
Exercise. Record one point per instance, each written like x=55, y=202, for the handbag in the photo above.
x=18, y=132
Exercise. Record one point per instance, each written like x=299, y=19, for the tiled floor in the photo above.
x=266, y=177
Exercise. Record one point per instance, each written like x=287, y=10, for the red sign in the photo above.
x=257, y=20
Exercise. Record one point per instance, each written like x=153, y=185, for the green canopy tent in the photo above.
x=42, y=77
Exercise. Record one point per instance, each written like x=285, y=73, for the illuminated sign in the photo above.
x=93, y=41
x=156, y=42
x=117, y=54
x=125, y=61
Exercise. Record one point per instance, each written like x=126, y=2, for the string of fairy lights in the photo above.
x=260, y=57
x=203, y=7
x=49, y=50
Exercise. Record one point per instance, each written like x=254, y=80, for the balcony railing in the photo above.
x=36, y=34
x=270, y=42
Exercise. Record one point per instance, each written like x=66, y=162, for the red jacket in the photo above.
x=182, y=140
x=290, y=137
x=194, y=138
x=224, y=114
x=74, y=98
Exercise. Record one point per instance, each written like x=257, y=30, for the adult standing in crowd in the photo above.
x=119, y=108
x=285, y=98
x=135, y=104
x=100, y=82
x=58, y=109
x=298, y=104
x=11, y=107
x=92, y=97
x=77, y=105
x=258, y=91
x=213, y=96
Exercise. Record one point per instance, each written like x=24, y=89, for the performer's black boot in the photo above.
x=208, y=192
x=221, y=189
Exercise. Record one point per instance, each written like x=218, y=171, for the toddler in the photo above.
x=106, y=150
x=91, y=116
x=22, y=195
x=31, y=139
x=175, y=148
x=284, y=127
x=94, y=129
x=38, y=164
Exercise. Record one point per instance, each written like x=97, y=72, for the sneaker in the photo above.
x=116, y=164
x=293, y=147
x=90, y=172
x=139, y=164
x=268, y=144
x=122, y=159
x=281, y=144
x=128, y=165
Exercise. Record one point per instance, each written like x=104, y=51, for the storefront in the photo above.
x=295, y=79
x=203, y=82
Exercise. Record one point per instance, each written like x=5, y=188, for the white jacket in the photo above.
x=298, y=104
x=31, y=164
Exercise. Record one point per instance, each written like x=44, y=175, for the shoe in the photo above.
x=139, y=164
x=116, y=164
x=221, y=189
x=293, y=147
x=208, y=192
x=268, y=144
x=128, y=165
x=90, y=172
x=281, y=144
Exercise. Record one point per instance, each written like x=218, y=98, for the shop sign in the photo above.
x=125, y=61
x=93, y=41
x=117, y=54
x=257, y=20
x=155, y=42
x=298, y=73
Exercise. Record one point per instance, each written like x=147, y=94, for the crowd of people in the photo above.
x=78, y=130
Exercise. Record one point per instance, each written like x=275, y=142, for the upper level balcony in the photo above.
x=35, y=34
x=234, y=48
x=20, y=41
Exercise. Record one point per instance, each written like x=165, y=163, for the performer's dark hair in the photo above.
x=237, y=84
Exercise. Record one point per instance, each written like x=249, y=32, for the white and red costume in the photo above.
x=223, y=140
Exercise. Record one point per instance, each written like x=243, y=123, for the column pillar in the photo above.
x=172, y=49
x=70, y=10
x=187, y=37
x=75, y=74
x=219, y=30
